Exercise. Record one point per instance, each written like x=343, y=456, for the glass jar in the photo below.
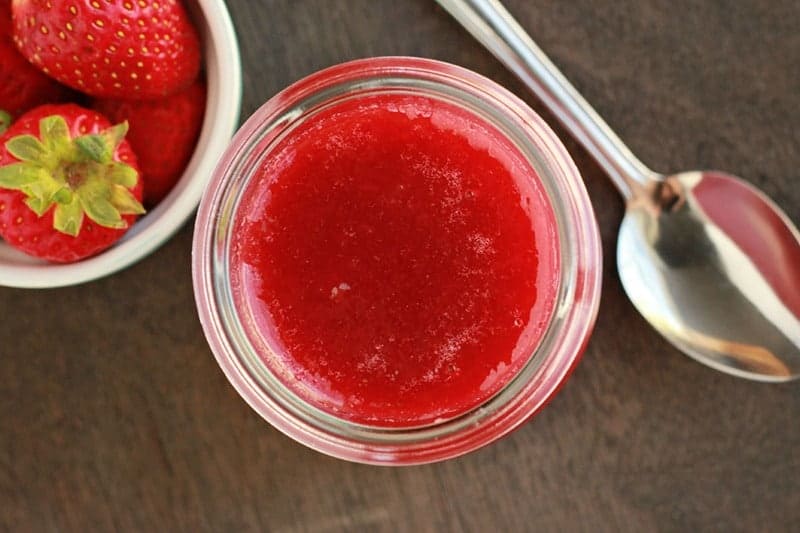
x=549, y=364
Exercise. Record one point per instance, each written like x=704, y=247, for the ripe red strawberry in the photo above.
x=162, y=133
x=22, y=86
x=110, y=48
x=69, y=184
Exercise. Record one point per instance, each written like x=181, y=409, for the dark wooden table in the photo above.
x=115, y=416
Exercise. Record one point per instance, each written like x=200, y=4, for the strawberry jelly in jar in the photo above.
x=396, y=261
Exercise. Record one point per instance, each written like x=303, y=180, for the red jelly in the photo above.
x=398, y=258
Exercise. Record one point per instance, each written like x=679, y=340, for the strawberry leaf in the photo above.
x=37, y=205
x=18, y=175
x=94, y=199
x=68, y=217
x=27, y=148
x=54, y=132
x=122, y=174
x=103, y=213
x=125, y=202
x=95, y=147
x=115, y=134
x=5, y=121
x=63, y=195
x=43, y=189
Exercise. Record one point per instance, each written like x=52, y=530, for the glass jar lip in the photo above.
x=576, y=304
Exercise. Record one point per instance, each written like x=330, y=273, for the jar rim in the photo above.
x=533, y=385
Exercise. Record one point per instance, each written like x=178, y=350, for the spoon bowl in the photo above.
x=720, y=283
x=708, y=260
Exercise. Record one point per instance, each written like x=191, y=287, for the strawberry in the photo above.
x=69, y=183
x=22, y=86
x=163, y=134
x=110, y=48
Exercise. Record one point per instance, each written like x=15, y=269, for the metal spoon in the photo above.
x=708, y=260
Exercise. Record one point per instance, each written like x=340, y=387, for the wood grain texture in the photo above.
x=115, y=417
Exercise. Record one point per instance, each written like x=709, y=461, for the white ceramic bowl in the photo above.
x=223, y=71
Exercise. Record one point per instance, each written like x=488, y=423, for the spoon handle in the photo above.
x=495, y=28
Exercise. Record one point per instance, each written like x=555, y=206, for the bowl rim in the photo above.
x=224, y=92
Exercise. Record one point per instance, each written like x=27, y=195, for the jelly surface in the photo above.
x=395, y=260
